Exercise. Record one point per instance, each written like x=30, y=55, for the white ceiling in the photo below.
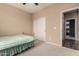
x=30, y=7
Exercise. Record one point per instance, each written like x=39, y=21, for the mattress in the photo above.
x=15, y=43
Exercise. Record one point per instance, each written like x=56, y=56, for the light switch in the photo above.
x=54, y=28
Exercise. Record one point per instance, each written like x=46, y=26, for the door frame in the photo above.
x=62, y=23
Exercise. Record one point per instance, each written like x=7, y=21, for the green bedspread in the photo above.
x=15, y=44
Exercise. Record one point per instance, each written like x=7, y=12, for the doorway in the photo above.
x=70, y=29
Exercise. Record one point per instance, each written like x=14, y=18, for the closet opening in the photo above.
x=70, y=30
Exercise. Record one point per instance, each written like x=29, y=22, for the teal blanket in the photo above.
x=15, y=44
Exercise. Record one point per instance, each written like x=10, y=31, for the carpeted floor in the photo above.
x=44, y=49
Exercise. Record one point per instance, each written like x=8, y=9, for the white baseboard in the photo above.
x=51, y=43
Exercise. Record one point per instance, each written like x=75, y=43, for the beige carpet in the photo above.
x=44, y=49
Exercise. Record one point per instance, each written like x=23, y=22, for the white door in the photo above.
x=40, y=28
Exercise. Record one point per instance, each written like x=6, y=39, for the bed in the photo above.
x=13, y=45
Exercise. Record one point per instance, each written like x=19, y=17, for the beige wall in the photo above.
x=13, y=20
x=52, y=15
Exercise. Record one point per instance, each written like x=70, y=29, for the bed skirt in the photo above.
x=16, y=49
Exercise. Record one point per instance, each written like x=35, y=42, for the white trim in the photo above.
x=67, y=10
x=61, y=22
x=52, y=43
x=76, y=29
x=61, y=28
